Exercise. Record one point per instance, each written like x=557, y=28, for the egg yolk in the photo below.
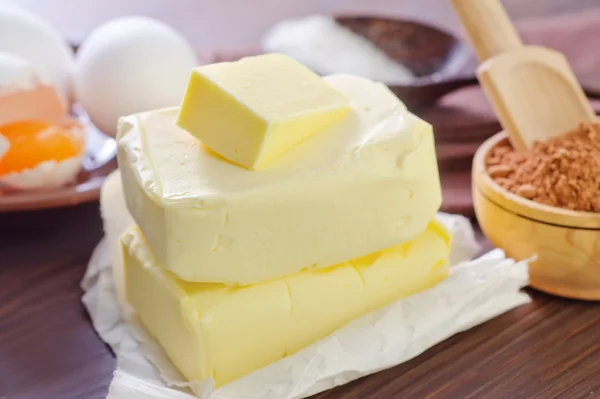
x=33, y=142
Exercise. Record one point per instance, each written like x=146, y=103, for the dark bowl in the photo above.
x=440, y=62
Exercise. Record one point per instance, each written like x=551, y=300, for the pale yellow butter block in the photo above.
x=322, y=300
x=362, y=186
x=382, y=281
x=211, y=330
x=253, y=110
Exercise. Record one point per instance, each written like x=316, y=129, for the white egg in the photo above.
x=129, y=65
x=29, y=36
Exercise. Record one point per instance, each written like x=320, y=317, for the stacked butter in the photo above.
x=272, y=208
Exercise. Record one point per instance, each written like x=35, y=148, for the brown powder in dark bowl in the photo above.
x=562, y=172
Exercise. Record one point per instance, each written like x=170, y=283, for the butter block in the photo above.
x=253, y=110
x=362, y=186
x=212, y=330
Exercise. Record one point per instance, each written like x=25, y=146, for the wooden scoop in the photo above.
x=532, y=89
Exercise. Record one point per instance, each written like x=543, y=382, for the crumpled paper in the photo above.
x=474, y=292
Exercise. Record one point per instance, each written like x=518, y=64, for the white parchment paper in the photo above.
x=475, y=291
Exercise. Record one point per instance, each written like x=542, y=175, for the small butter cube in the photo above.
x=255, y=109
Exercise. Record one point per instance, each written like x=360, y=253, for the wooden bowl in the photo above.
x=567, y=243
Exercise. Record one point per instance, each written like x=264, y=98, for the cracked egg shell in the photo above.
x=24, y=95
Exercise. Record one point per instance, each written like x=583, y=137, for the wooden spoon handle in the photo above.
x=488, y=27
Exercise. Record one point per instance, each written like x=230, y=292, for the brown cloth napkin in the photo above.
x=577, y=36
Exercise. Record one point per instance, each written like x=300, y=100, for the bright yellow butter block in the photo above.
x=362, y=186
x=212, y=330
x=253, y=110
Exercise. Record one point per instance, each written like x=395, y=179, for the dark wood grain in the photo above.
x=546, y=349
x=48, y=349
x=47, y=346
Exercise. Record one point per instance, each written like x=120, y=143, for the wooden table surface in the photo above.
x=48, y=349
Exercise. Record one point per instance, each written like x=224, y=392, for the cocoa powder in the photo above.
x=563, y=171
